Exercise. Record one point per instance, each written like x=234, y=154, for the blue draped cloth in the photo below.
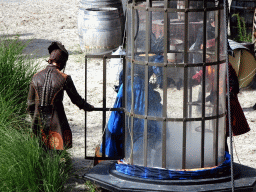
x=115, y=129
x=161, y=174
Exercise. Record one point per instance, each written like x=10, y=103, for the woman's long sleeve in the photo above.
x=74, y=95
x=31, y=100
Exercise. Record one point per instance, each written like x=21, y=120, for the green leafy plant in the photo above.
x=92, y=187
x=241, y=27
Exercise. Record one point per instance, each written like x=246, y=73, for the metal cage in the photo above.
x=175, y=105
x=174, y=85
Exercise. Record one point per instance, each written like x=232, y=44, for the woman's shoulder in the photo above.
x=63, y=74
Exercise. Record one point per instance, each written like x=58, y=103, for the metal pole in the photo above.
x=132, y=79
x=203, y=84
x=85, y=97
x=228, y=95
x=104, y=106
x=164, y=110
x=148, y=36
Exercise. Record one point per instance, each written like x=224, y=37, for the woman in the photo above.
x=45, y=100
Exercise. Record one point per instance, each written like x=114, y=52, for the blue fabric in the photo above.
x=114, y=131
x=154, y=109
x=155, y=173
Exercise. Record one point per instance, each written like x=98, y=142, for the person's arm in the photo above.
x=75, y=97
x=199, y=40
x=31, y=100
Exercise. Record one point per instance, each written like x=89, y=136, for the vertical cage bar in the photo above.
x=185, y=96
x=126, y=132
x=104, y=106
x=164, y=112
x=225, y=3
x=217, y=31
x=148, y=33
x=132, y=78
x=124, y=104
x=190, y=95
x=85, y=98
x=203, y=83
x=186, y=56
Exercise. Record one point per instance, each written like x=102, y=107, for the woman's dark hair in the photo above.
x=58, y=54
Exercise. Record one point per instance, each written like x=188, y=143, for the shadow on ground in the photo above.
x=36, y=48
x=248, y=109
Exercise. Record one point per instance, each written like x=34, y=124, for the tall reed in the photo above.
x=16, y=71
x=24, y=165
x=241, y=29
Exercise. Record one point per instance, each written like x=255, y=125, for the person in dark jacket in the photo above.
x=45, y=100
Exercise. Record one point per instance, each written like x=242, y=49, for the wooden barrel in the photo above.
x=100, y=4
x=101, y=30
x=245, y=8
x=85, y=6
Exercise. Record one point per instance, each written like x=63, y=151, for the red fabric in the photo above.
x=238, y=120
x=198, y=76
x=209, y=74
x=210, y=43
